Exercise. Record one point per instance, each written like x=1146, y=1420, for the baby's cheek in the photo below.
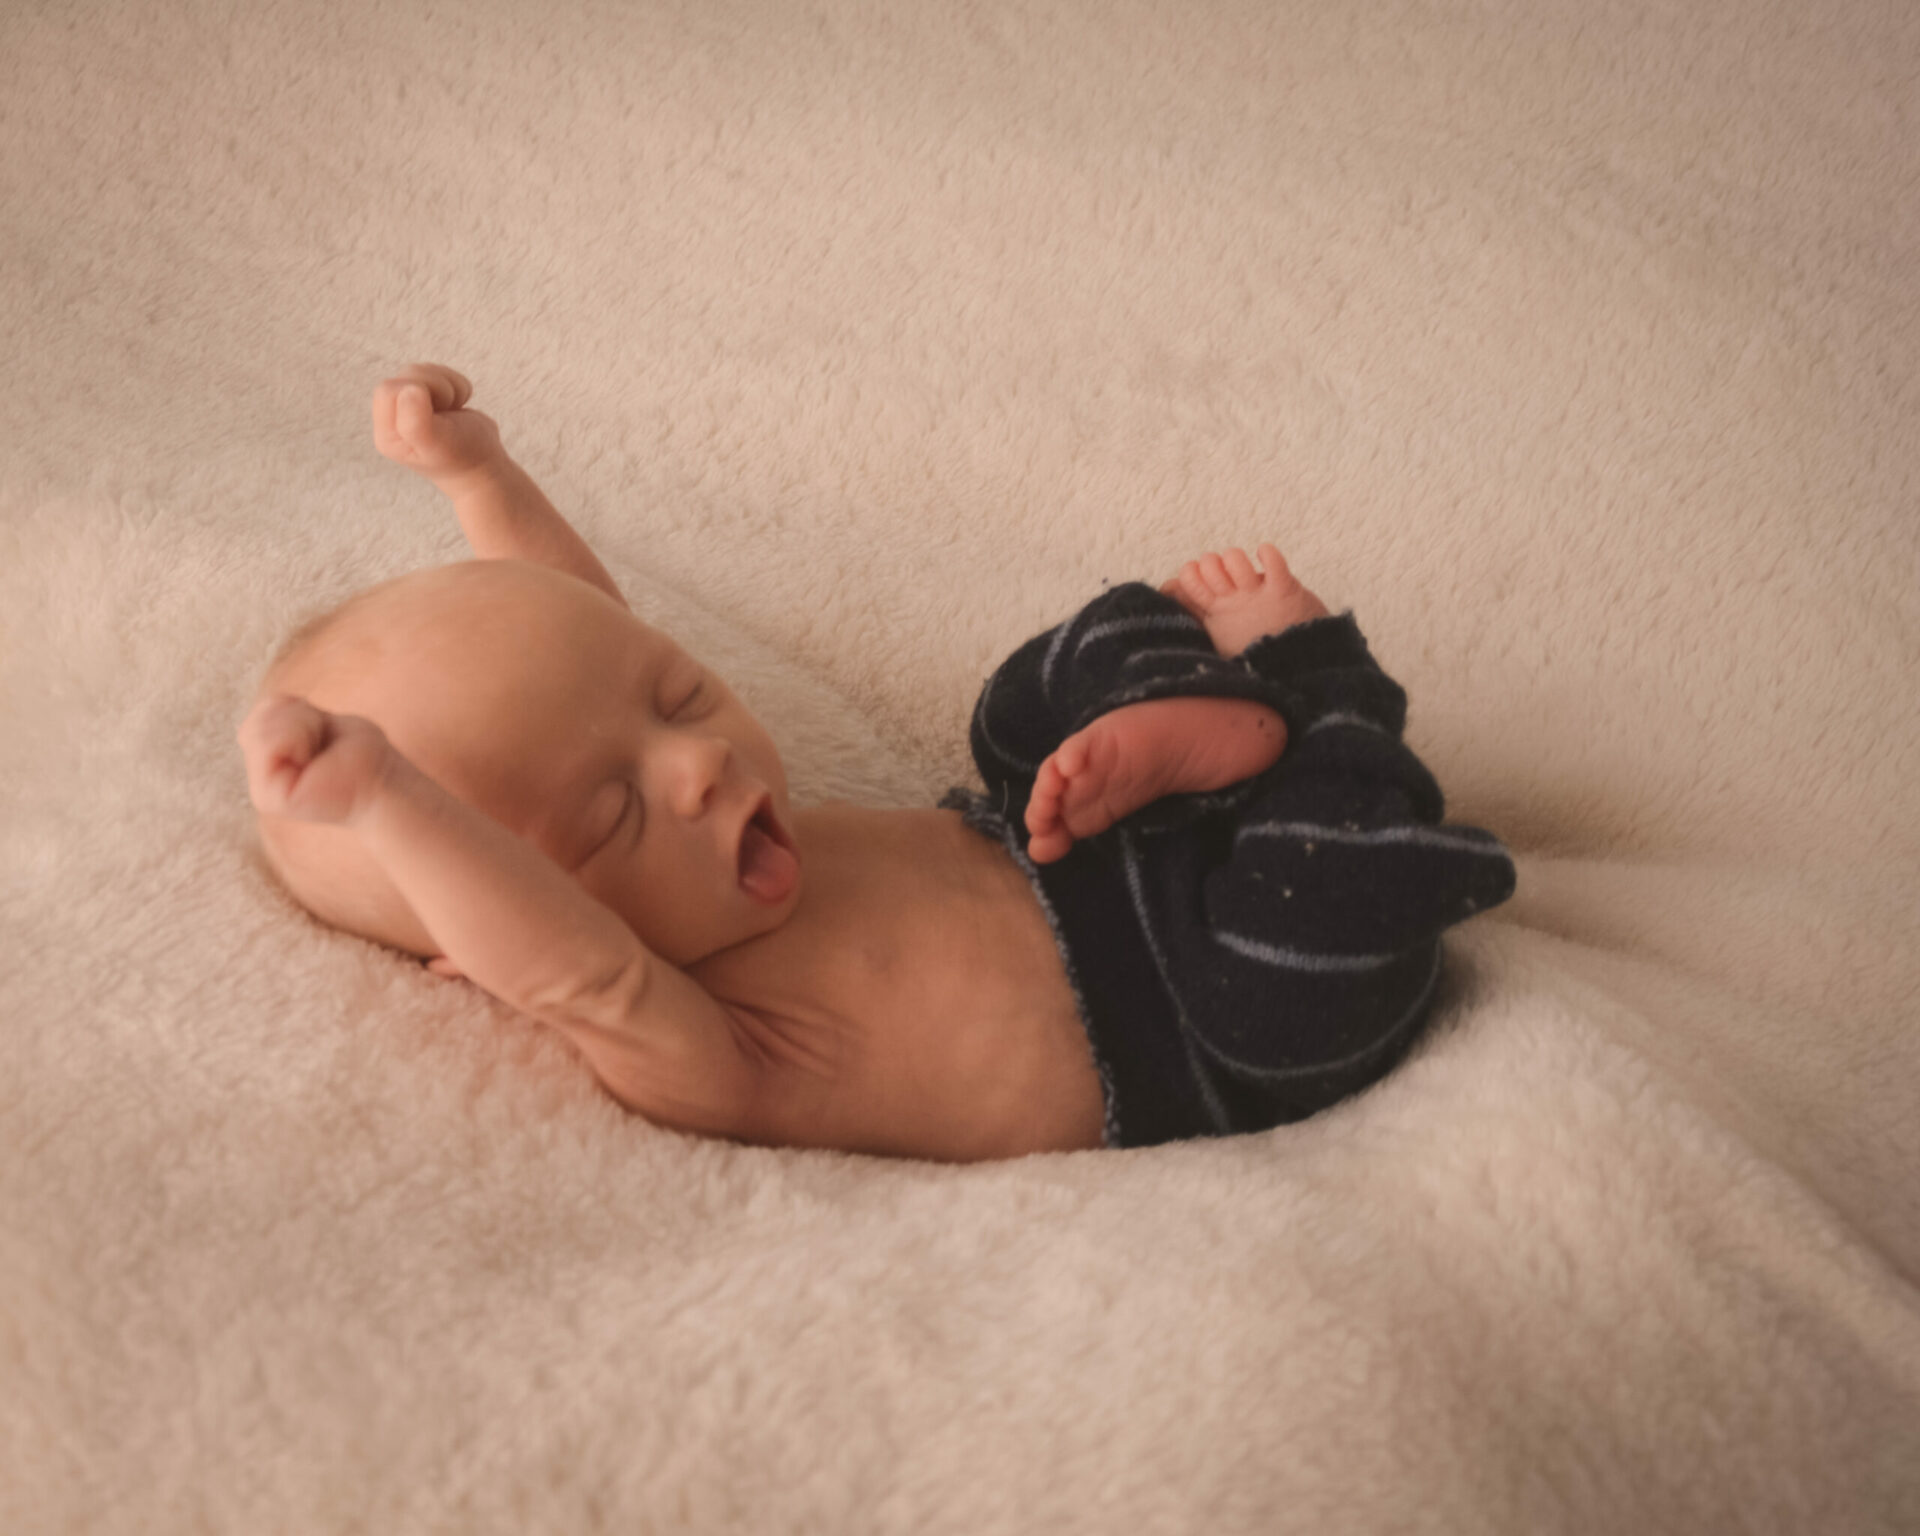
x=603, y=884
x=648, y=900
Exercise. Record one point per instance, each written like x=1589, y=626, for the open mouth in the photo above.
x=769, y=866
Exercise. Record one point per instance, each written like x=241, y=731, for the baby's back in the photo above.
x=915, y=1002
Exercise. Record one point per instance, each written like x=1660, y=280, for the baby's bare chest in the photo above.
x=916, y=1001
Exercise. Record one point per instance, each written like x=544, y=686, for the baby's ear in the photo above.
x=440, y=965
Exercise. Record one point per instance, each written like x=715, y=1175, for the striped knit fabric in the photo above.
x=1248, y=957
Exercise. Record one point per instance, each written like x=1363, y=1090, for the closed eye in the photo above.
x=630, y=815
x=692, y=701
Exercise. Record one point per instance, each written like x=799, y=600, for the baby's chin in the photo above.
x=726, y=927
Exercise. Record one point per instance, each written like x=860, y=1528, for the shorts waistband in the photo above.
x=1132, y=1026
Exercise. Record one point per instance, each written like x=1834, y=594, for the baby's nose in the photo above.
x=698, y=768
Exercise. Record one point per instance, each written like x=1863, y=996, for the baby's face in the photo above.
x=548, y=705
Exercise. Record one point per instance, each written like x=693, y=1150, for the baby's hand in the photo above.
x=420, y=420
x=1238, y=604
x=310, y=765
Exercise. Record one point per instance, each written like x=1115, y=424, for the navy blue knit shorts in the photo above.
x=1247, y=957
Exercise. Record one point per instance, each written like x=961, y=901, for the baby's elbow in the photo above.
x=600, y=998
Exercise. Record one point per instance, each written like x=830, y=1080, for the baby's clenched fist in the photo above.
x=420, y=420
x=310, y=765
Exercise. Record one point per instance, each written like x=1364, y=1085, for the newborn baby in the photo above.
x=1203, y=894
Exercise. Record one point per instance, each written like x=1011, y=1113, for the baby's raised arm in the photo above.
x=508, y=917
x=421, y=420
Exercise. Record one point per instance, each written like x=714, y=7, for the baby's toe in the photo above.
x=1043, y=806
x=1090, y=763
x=1044, y=848
x=1240, y=570
x=1214, y=571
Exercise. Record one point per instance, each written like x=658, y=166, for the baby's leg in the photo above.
x=1139, y=753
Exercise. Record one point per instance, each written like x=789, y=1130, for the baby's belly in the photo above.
x=922, y=1010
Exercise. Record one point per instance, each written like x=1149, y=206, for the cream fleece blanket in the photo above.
x=1572, y=345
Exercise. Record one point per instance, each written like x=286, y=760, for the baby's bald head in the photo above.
x=393, y=654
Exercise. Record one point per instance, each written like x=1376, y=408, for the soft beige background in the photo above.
x=1573, y=345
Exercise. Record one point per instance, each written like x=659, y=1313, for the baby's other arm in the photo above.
x=421, y=420
x=508, y=917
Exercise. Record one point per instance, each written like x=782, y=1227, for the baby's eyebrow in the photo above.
x=646, y=679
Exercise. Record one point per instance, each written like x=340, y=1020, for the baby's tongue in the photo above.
x=767, y=870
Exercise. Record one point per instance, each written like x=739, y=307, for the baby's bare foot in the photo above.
x=1238, y=604
x=1140, y=753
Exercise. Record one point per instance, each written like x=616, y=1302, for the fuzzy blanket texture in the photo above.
x=1574, y=345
